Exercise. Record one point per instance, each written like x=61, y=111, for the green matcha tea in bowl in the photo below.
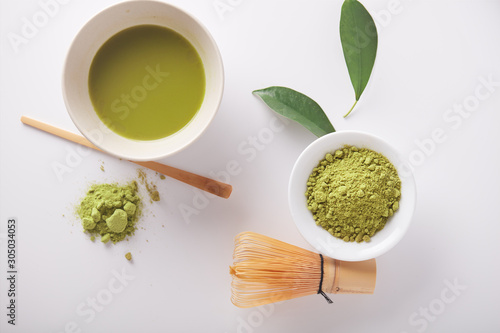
x=143, y=80
x=351, y=196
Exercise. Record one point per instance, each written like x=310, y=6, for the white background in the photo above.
x=432, y=56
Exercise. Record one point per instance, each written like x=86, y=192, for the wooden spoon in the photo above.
x=203, y=183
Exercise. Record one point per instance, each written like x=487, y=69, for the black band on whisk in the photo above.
x=320, y=291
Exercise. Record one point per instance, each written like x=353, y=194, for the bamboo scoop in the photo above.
x=206, y=184
x=266, y=270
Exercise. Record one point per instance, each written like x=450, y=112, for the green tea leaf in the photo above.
x=359, y=38
x=298, y=107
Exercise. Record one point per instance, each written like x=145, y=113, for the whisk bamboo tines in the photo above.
x=266, y=270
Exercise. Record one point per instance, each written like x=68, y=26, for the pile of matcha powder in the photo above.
x=352, y=193
x=110, y=210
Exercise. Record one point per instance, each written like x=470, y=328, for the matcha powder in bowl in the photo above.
x=111, y=211
x=359, y=199
x=353, y=192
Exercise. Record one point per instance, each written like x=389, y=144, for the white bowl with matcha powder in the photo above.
x=351, y=195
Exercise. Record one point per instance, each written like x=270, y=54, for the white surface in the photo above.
x=432, y=55
x=319, y=238
x=96, y=32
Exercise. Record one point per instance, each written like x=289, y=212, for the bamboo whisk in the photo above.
x=266, y=270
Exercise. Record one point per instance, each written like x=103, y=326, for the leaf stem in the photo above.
x=351, y=109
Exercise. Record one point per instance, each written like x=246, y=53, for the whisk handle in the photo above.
x=349, y=277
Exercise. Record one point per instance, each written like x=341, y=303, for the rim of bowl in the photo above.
x=319, y=238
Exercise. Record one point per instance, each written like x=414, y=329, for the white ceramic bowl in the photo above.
x=321, y=239
x=97, y=31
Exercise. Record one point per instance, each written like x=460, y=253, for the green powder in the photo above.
x=353, y=192
x=110, y=210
